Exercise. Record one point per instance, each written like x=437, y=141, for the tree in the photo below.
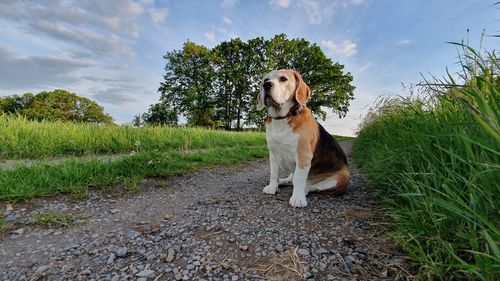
x=237, y=66
x=187, y=85
x=217, y=87
x=161, y=114
x=55, y=105
x=137, y=121
x=15, y=103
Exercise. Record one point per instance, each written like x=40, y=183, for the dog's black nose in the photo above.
x=267, y=85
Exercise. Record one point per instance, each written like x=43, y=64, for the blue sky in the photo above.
x=111, y=50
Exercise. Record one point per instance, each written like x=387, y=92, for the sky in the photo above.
x=112, y=50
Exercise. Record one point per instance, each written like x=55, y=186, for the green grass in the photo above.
x=54, y=219
x=343, y=138
x=75, y=176
x=21, y=138
x=435, y=163
x=157, y=152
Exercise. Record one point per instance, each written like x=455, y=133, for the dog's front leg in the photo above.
x=298, y=198
x=302, y=167
x=273, y=183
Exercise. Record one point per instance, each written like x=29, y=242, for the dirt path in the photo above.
x=214, y=224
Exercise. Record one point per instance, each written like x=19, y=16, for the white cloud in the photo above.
x=229, y=2
x=227, y=20
x=210, y=36
x=19, y=71
x=88, y=39
x=316, y=10
x=357, y=2
x=158, y=15
x=280, y=3
x=403, y=42
x=345, y=48
x=364, y=67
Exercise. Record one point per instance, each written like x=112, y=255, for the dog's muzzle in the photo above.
x=269, y=101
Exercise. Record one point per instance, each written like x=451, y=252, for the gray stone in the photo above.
x=323, y=251
x=349, y=259
x=360, y=250
x=170, y=255
x=132, y=233
x=111, y=259
x=121, y=252
x=308, y=275
x=279, y=248
x=41, y=269
x=146, y=273
x=303, y=252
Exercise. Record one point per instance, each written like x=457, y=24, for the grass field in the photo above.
x=54, y=151
x=21, y=138
x=435, y=163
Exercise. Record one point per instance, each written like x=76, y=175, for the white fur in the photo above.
x=282, y=144
x=287, y=180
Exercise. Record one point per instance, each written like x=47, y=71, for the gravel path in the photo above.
x=215, y=224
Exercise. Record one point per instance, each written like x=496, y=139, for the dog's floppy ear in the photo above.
x=260, y=99
x=302, y=91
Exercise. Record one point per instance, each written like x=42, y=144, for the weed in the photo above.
x=54, y=219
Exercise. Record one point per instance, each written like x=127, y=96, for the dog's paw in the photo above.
x=298, y=201
x=270, y=189
x=284, y=181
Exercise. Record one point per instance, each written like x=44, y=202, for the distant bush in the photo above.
x=55, y=105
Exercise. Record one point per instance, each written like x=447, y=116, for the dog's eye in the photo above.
x=283, y=79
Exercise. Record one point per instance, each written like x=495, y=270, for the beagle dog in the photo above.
x=297, y=142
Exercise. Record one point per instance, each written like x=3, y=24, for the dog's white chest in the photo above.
x=282, y=144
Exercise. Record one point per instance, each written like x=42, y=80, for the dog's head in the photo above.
x=281, y=89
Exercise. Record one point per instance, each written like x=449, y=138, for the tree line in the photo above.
x=217, y=87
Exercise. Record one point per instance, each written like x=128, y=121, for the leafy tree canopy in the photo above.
x=217, y=87
x=55, y=105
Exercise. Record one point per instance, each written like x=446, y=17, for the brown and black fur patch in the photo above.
x=328, y=156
